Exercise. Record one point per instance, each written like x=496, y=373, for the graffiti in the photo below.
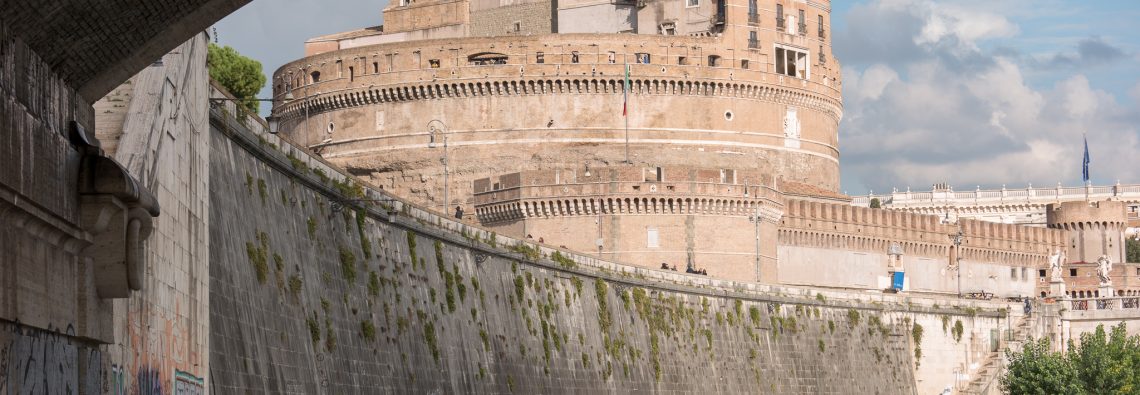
x=149, y=382
x=118, y=384
x=34, y=361
x=188, y=384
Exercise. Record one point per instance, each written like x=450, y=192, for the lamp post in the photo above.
x=434, y=126
x=957, y=258
x=756, y=218
x=273, y=121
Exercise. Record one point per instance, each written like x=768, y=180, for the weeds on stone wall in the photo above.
x=258, y=258
x=916, y=335
x=295, y=285
x=577, y=285
x=373, y=284
x=330, y=336
x=957, y=331
x=312, y=228
x=412, y=248
x=822, y=347
x=365, y=244
x=945, y=323
x=262, y=190
x=368, y=330
x=563, y=260
x=347, y=264
x=298, y=164
x=754, y=314
x=852, y=318
x=248, y=184
x=314, y=327
x=531, y=253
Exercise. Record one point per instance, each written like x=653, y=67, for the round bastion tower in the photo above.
x=448, y=92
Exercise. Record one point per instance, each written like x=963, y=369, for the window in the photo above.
x=753, y=41
x=517, y=26
x=416, y=59
x=405, y=2
x=660, y=175
x=652, y=240
x=339, y=69
x=714, y=60
x=1013, y=273
x=681, y=61
x=391, y=61
x=1041, y=273
x=820, y=22
x=574, y=57
x=1072, y=272
x=487, y=58
x=375, y=67
x=753, y=17
x=611, y=56
x=744, y=64
x=668, y=28
x=433, y=63
x=692, y=3
x=779, y=15
x=802, y=23
x=792, y=62
x=1024, y=274
x=642, y=57
x=539, y=58
x=316, y=75
x=351, y=73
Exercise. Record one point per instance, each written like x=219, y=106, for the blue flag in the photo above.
x=1085, y=167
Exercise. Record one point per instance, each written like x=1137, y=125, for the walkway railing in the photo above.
x=1002, y=196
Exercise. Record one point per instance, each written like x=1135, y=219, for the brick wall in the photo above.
x=533, y=18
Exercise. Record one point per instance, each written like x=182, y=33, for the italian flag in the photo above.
x=625, y=93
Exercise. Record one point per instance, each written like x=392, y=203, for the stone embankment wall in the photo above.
x=313, y=291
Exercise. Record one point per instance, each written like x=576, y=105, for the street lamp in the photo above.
x=755, y=218
x=433, y=127
x=957, y=239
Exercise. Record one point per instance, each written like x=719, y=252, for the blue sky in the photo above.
x=970, y=92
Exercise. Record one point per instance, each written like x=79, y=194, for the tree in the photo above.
x=240, y=75
x=1133, y=247
x=875, y=203
x=1101, y=364
x=1037, y=370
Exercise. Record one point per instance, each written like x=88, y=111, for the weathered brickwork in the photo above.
x=531, y=18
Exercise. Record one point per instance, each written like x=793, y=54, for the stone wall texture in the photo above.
x=532, y=18
x=312, y=294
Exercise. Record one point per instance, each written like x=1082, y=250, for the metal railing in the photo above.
x=991, y=196
x=803, y=29
x=822, y=33
x=753, y=18
x=780, y=22
x=753, y=43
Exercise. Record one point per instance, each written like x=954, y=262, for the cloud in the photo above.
x=1089, y=52
x=949, y=111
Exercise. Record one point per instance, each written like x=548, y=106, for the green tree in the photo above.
x=240, y=75
x=875, y=203
x=1037, y=370
x=1103, y=363
x=1133, y=247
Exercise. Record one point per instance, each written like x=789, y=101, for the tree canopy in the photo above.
x=1101, y=364
x=1133, y=247
x=240, y=75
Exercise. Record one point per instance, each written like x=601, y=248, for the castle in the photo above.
x=721, y=155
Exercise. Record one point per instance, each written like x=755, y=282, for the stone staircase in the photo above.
x=985, y=378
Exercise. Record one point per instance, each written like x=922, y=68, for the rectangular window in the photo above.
x=642, y=57
x=391, y=58
x=753, y=16
x=692, y=3
x=611, y=56
x=753, y=41
x=779, y=15
x=1024, y=274
x=433, y=63
x=821, y=32
x=351, y=73
x=744, y=63
x=660, y=175
x=517, y=26
x=714, y=60
x=574, y=57
x=1013, y=273
x=375, y=67
x=539, y=58
x=803, y=23
x=1072, y=272
x=652, y=239
x=339, y=69
x=792, y=62
x=681, y=61
x=1041, y=273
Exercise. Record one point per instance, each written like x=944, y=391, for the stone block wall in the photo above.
x=312, y=294
x=532, y=18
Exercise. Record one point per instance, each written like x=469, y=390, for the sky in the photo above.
x=974, y=93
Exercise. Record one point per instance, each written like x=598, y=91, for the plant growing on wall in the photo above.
x=1133, y=248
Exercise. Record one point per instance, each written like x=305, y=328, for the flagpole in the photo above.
x=1085, y=165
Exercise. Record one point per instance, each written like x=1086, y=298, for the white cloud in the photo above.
x=954, y=114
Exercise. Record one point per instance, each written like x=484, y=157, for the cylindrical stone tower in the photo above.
x=449, y=92
x=1095, y=229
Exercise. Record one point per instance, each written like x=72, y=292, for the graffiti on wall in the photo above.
x=149, y=381
x=36, y=361
x=188, y=384
x=118, y=384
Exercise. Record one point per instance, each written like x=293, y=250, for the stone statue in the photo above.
x=1103, y=268
x=1055, y=262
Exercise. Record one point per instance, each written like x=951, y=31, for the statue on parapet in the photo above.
x=1055, y=262
x=1103, y=269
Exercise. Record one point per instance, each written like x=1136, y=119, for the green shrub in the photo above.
x=348, y=264
x=368, y=330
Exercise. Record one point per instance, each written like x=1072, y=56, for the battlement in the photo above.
x=624, y=190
